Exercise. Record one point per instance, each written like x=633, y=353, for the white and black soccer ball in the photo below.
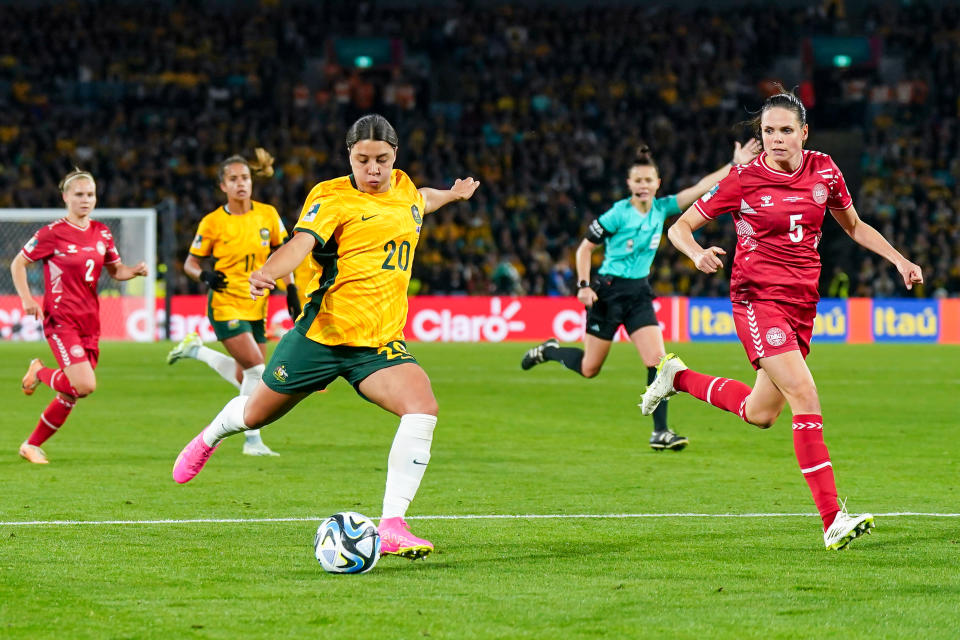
x=347, y=542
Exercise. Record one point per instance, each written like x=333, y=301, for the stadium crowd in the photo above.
x=545, y=106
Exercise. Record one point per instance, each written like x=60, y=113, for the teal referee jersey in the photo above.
x=632, y=238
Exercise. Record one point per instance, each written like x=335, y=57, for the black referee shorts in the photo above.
x=626, y=301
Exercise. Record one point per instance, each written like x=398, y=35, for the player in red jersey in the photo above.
x=778, y=203
x=74, y=250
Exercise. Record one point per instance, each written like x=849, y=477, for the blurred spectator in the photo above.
x=543, y=104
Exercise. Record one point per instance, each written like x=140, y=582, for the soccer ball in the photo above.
x=347, y=542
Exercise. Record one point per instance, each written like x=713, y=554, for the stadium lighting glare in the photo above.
x=363, y=62
x=841, y=61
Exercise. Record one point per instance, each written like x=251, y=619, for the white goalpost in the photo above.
x=127, y=309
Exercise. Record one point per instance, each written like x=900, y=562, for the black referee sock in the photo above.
x=570, y=357
x=660, y=413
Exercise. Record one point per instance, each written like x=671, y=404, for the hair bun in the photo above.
x=263, y=165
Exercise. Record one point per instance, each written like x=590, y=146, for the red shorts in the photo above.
x=767, y=328
x=69, y=347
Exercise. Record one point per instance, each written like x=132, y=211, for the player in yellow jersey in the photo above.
x=302, y=276
x=362, y=231
x=239, y=236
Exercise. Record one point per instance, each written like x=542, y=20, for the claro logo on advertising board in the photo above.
x=536, y=318
x=433, y=325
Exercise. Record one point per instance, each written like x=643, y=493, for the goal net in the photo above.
x=127, y=309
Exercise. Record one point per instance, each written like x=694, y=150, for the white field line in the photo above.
x=528, y=516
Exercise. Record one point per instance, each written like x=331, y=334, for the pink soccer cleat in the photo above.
x=396, y=540
x=191, y=459
x=30, y=380
x=33, y=453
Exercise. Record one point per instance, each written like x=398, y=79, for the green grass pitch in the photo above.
x=542, y=442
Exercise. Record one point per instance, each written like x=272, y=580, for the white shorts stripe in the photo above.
x=817, y=467
x=754, y=330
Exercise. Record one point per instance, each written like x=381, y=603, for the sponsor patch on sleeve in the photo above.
x=312, y=213
x=709, y=194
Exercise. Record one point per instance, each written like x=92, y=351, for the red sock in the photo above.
x=815, y=464
x=51, y=420
x=57, y=380
x=729, y=395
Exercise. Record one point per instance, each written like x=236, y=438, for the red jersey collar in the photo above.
x=783, y=174
x=67, y=220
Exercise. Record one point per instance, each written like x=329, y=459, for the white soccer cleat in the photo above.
x=257, y=448
x=662, y=386
x=845, y=528
x=33, y=453
x=187, y=348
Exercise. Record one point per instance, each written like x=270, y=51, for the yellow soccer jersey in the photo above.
x=240, y=244
x=365, y=245
x=302, y=276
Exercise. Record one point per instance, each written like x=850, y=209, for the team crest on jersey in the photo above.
x=416, y=214
x=197, y=241
x=767, y=201
x=630, y=245
x=280, y=373
x=776, y=337
x=264, y=233
x=312, y=213
x=76, y=351
x=709, y=194
x=101, y=248
x=820, y=193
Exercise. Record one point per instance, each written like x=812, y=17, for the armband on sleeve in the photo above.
x=596, y=233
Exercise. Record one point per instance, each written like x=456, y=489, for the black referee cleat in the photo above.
x=535, y=356
x=667, y=439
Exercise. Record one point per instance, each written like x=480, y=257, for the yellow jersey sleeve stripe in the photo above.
x=320, y=240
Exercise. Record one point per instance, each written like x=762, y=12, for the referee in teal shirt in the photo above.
x=620, y=293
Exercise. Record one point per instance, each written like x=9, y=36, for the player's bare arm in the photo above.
x=281, y=263
x=121, y=272
x=18, y=270
x=192, y=267
x=680, y=234
x=869, y=238
x=585, y=295
x=196, y=270
x=462, y=189
x=742, y=154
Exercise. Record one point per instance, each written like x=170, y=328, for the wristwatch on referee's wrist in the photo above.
x=583, y=284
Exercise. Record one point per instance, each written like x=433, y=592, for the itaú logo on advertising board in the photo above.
x=431, y=325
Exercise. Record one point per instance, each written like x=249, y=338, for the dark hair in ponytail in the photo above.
x=643, y=158
x=372, y=126
x=783, y=99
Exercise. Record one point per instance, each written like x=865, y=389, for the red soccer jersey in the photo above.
x=72, y=261
x=778, y=218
